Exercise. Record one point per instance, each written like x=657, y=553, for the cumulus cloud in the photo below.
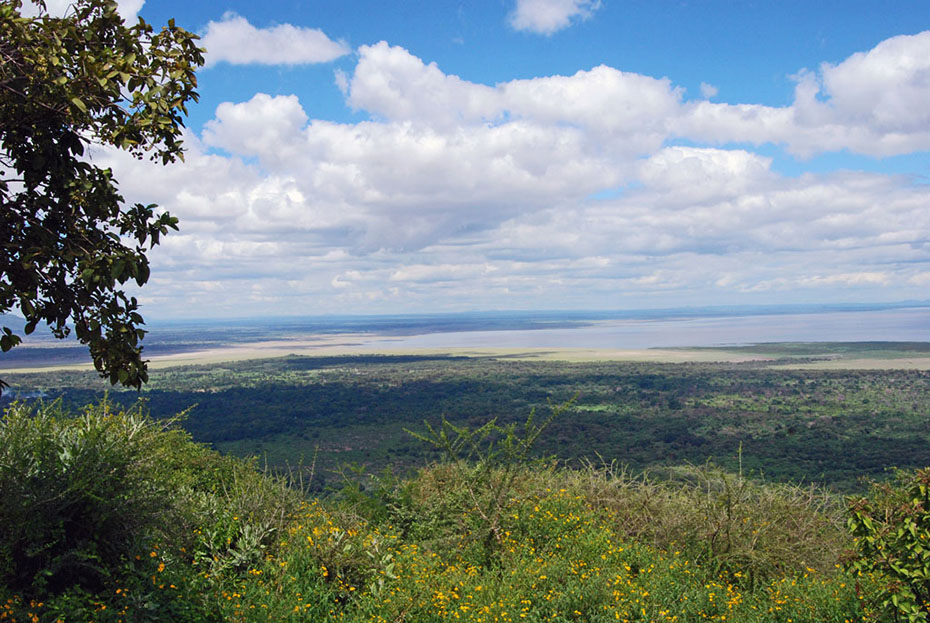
x=877, y=98
x=832, y=110
x=631, y=109
x=264, y=127
x=234, y=40
x=546, y=17
x=457, y=191
x=407, y=184
x=705, y=172
x=871, y=103
x=886, y=87
x=392, y=83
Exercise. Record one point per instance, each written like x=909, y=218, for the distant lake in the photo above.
x=895, y=325
x=548, y=329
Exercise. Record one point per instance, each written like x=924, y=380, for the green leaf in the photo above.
x=117, y=269
x=8, y=340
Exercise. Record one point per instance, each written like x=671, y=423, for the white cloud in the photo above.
x=402, y=185
x=886, y=88
x=481, y=196
x=920, y=279
x=832, y=111
x=872, y=103
x=549, y=16
x=849, y=279
x=631, y=110
x=704, y=172
x=708, y=90
x=441, y=272
x=234, y=40
x=392, y=83
x=725, y=123
x=128, y=9
x=606, y=102
x=264, y=126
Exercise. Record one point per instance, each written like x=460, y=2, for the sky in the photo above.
x=364, y=157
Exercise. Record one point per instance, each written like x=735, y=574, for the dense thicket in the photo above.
x=95, y=505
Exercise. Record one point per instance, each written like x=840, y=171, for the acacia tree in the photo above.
x=68, y=242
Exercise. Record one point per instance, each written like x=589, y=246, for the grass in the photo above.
x=585, y=551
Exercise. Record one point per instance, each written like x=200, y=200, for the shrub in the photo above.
x=79, y=495
x=484, y=466
x=724, y=520
x=111, y=512
x=892, y=531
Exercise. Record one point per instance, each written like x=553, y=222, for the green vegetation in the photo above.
x=68, y=244
x=115, y=516
x=832, y=350
x=105, y=511
x=826, y=426
x=892, y=534
x=130, y=521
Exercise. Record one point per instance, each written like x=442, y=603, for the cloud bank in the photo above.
x=603, y=188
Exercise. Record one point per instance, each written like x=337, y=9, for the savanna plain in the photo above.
x=750, y=483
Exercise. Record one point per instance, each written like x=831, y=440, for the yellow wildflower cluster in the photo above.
x=556, y=559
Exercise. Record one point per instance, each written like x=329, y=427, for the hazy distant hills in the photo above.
x=14, y=323
x=17, y=324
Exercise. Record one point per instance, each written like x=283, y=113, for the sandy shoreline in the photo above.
x=368, y=344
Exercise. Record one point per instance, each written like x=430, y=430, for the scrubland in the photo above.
x=111, y=516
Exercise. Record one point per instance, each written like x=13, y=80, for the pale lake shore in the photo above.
x=357, y=344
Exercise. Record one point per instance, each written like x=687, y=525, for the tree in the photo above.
x=68, y=242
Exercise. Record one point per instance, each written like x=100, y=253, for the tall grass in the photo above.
x=725, y=520
x=563, y=556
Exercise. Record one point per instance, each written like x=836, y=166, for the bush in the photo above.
x=112, y=512
x=726, y=521
x=892, y=531
x=111, y=517
x=485, y=465
x=80, y=495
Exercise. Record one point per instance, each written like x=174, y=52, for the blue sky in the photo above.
x=371, y=157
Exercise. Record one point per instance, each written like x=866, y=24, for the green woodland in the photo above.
x=830, y=427
x=434, y=488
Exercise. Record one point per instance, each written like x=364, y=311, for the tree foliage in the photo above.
x=68, y=242
x=892, y=531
